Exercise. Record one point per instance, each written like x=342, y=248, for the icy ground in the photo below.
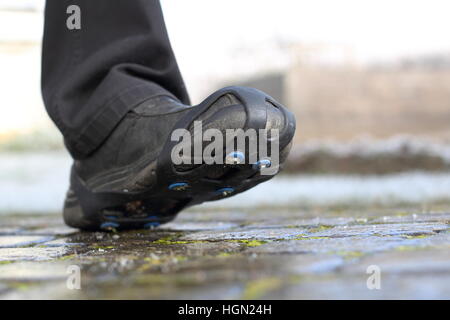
x=36, y=183
x=296, y=237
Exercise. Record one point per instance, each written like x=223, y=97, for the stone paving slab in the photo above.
x=31, y=253
x=21, y=241
x=288, y=253
x=33, y=271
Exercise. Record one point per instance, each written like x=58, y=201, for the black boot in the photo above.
x=131, y=181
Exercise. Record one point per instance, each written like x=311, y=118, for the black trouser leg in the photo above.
x=93, y=76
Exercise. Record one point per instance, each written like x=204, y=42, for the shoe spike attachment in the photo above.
x=262, y=164
x=235, y=157
x=179, y=186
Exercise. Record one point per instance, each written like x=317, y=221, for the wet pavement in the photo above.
x=279, y=253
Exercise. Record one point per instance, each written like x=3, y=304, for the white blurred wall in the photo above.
x=218, y=40
x=20, y=47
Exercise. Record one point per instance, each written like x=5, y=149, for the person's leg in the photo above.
x=92, y=77
x=114, y=90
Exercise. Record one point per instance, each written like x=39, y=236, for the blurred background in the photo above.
x=369, y=82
